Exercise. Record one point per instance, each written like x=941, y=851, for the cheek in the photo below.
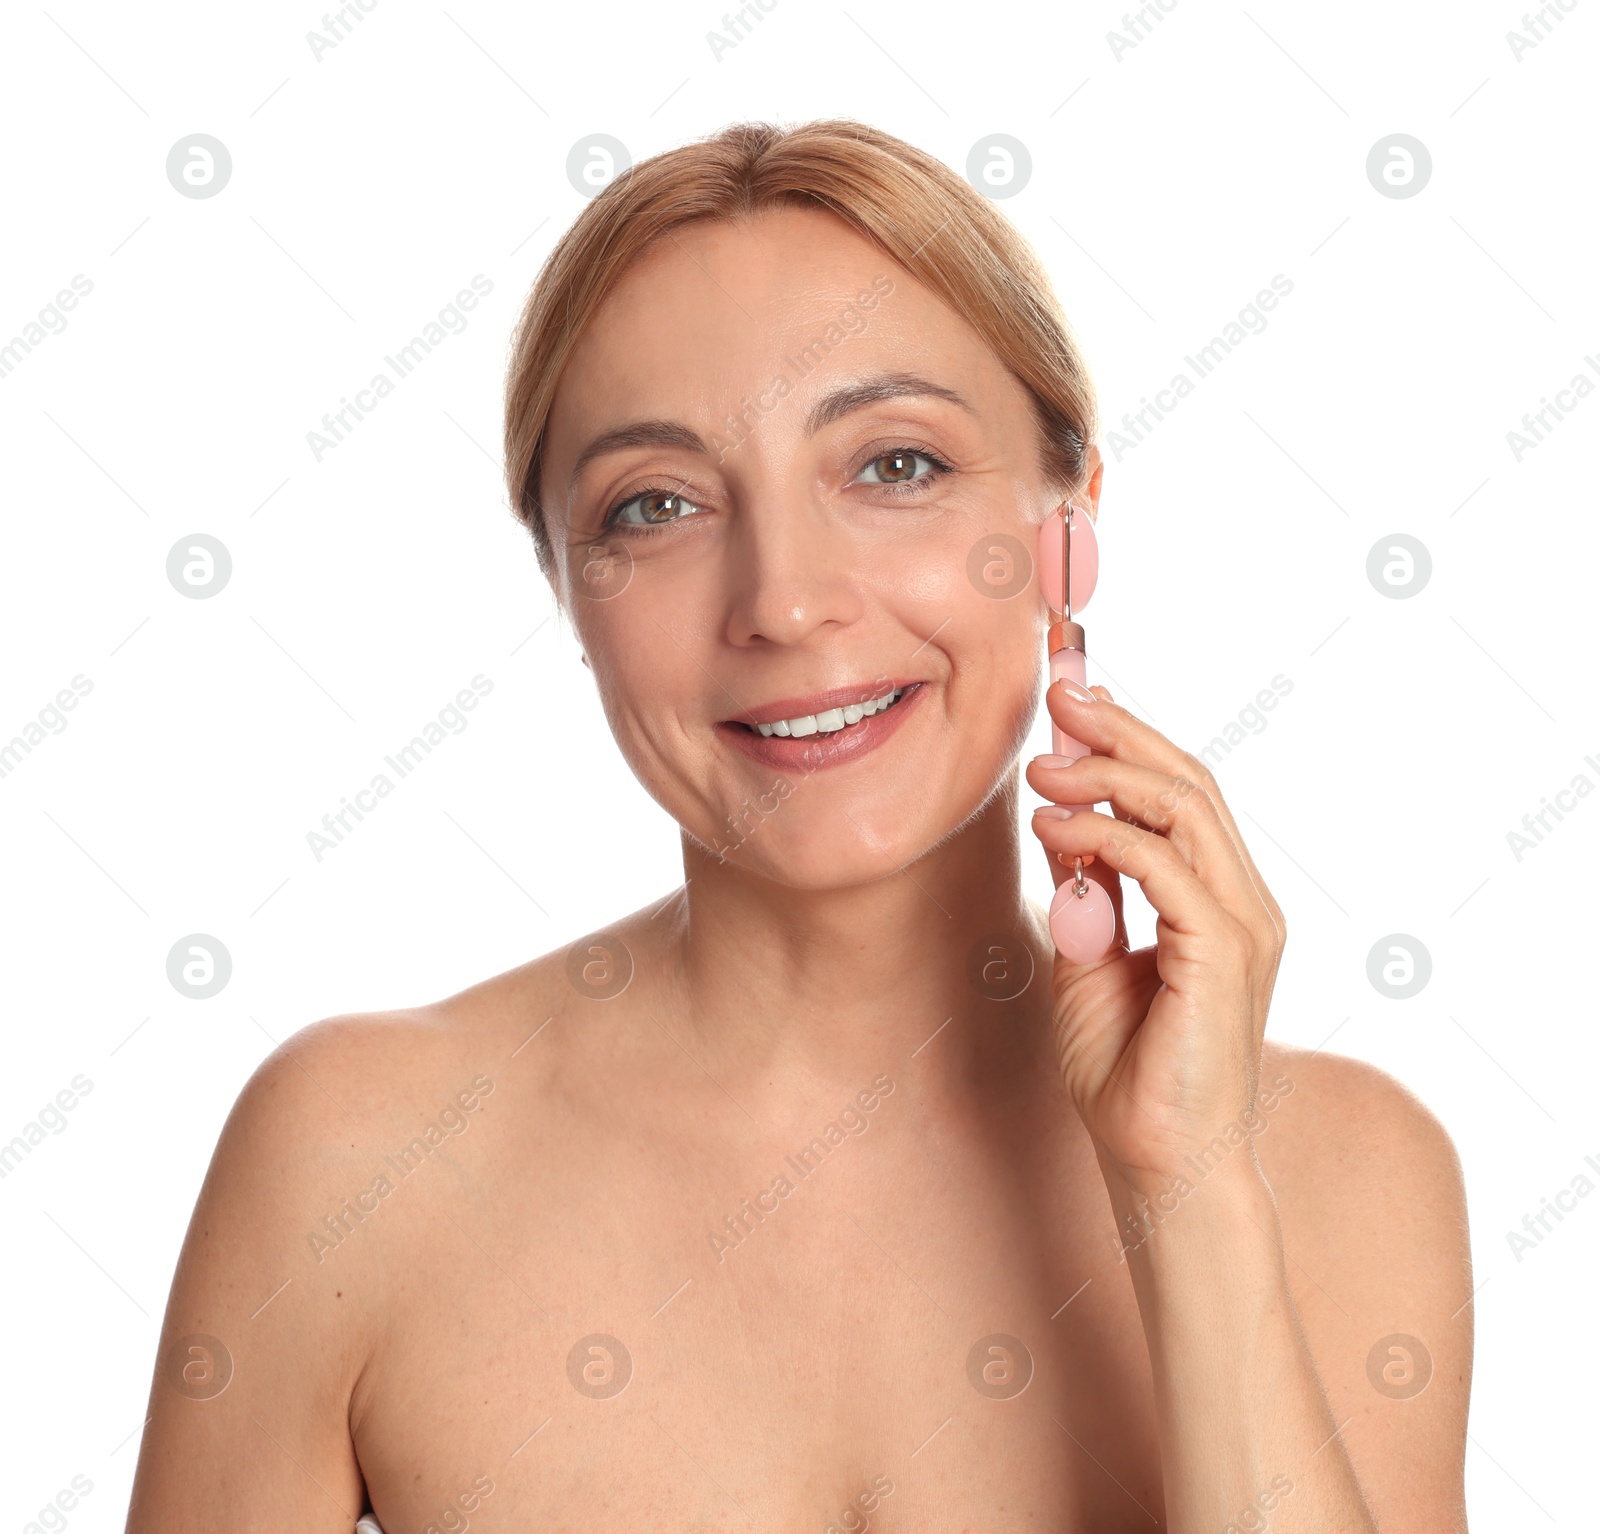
x=643, y=673
x=981, y=568
x=976, y=601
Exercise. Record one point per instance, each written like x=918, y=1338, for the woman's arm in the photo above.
x=1161, y=1051
x=1267, y=1337
x=249, y=1410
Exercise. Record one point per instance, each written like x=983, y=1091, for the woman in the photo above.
x=821, y=1194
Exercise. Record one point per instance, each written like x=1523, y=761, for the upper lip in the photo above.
x=820, y=702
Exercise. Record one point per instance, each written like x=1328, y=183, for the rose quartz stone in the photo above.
x=1085, y=560
x=1082, y=925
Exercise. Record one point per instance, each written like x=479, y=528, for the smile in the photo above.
x=833, y=719
x=832, y=729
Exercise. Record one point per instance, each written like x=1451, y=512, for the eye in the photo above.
x=900, y=467
x=650, y=508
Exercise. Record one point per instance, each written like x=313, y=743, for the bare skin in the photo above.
x=790, y=1358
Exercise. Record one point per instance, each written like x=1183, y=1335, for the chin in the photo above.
x=827, y=835
x=842, y=860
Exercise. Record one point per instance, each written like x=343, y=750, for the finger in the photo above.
x=1171, y=886
x=1109, y=729
x=1154, y=801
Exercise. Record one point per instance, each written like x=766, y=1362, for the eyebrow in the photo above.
x=638, y=434
x=830, y=408
x=870, y=390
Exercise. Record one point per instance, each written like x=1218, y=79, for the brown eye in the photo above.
x=903, y=466
x=652, y=508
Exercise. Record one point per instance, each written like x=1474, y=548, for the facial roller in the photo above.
x=1082, y=920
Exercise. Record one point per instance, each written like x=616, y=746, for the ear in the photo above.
x=1097, y=469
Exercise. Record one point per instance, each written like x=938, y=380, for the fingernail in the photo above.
x=1054, y=761
x=1053, y=812
x=1077, y=690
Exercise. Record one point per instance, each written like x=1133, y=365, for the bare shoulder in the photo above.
x=326, y=1174
x=363, y=1068
x=1374, y=1216
x=1348, y=1138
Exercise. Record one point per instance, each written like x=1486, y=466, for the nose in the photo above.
x=793, y=570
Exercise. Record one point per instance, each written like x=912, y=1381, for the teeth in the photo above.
x=831, y=720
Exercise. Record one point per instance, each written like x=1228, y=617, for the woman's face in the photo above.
x=780, y=478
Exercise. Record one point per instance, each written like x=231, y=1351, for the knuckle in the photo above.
x=1181, y=792
x=1197, y=773
x=1239, y=942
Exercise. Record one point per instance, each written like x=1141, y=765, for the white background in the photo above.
x=1167, y=188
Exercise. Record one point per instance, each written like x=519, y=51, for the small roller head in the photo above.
x=1085, y=561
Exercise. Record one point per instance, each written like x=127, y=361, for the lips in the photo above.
x=831, y=745
x=816, y=703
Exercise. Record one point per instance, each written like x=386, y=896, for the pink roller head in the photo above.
x=1085, y=560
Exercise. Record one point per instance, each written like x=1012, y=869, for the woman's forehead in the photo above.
x=716, y=311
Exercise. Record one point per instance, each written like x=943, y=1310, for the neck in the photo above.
x=838, y=984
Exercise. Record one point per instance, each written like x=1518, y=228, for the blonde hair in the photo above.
x=906, y=202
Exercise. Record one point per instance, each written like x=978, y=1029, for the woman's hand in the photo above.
x=1160, y=1049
